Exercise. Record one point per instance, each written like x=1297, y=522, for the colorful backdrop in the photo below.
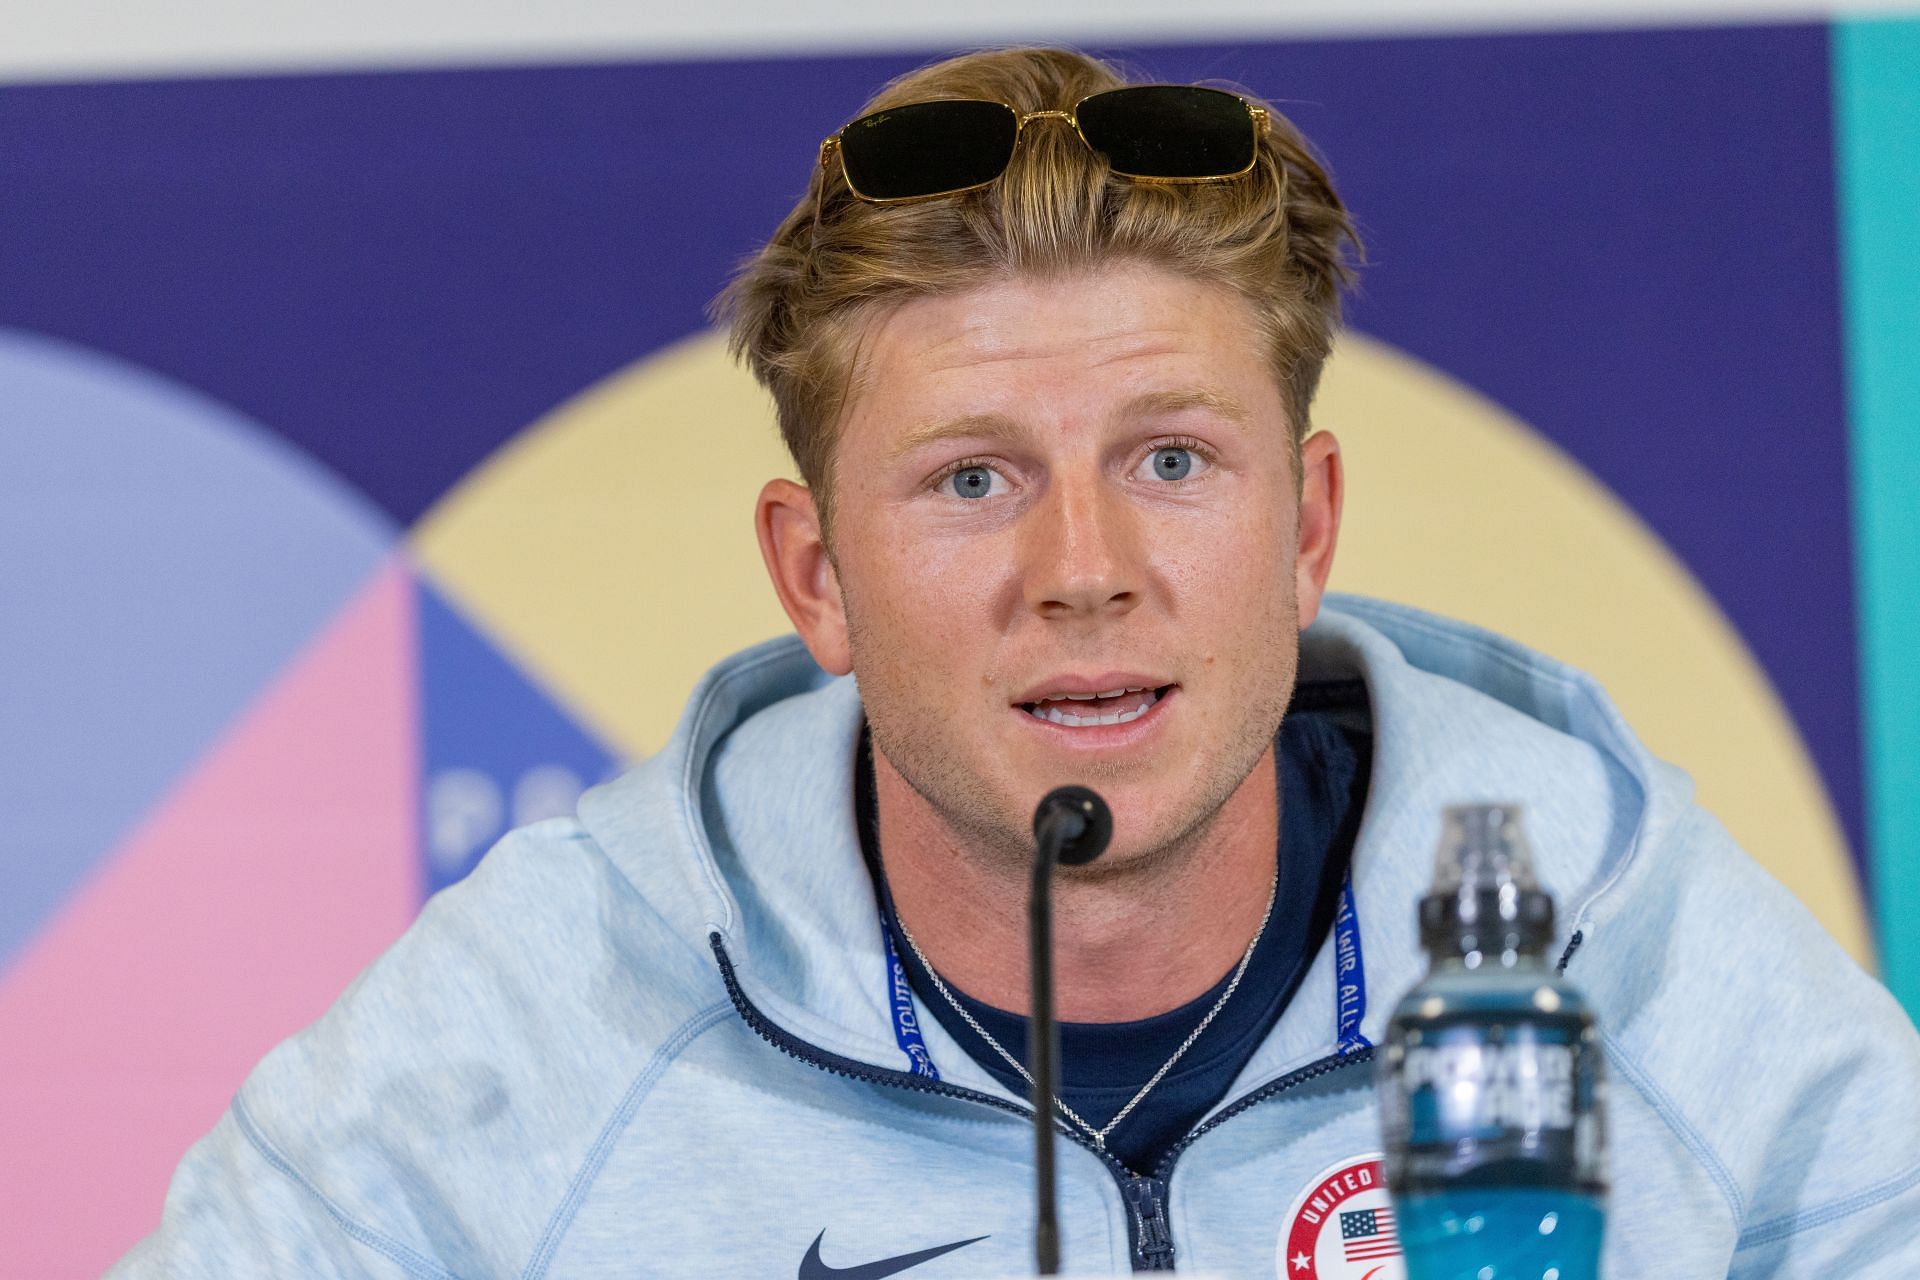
x=371, y=480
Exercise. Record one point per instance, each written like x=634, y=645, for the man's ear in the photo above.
x=1322, y=489
x=803, y=576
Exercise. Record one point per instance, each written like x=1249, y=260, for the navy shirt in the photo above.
x=1324, y=750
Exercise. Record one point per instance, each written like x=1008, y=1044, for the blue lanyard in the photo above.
x=1349, y=975
x=1349, y=990
x=906, y=1022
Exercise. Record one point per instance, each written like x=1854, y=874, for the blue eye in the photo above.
x=971, y=482
x=1172, y=463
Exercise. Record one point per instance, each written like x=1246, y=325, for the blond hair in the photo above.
x=1278, y=236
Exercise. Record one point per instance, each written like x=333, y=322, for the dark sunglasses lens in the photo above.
x=1169, y=131
x=928, y=147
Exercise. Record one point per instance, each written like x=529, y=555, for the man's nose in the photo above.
x=1084, y=551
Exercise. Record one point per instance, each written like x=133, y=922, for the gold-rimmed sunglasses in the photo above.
x=1148, y=133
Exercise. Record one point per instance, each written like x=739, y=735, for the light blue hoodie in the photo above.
x=659, y=1040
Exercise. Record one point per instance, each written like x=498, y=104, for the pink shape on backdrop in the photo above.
x=283, y=864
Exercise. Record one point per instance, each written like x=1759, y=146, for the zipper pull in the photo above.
x=1153, y=1239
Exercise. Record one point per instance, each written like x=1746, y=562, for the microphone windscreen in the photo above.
x=1096, y=823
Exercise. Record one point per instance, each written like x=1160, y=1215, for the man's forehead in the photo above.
x=1108, y=313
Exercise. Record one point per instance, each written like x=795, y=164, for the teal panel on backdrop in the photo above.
x=1877, y=117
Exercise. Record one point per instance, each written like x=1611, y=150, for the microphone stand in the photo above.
x=1072, y=825
x=1043, y=1040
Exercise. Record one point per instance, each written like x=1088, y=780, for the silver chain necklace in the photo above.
x=1099, y=1136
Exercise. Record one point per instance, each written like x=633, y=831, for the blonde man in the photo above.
x=1044, y=346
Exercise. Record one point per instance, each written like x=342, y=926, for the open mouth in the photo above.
x=1082, y=710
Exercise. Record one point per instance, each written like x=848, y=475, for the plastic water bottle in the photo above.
x=1491, y=1088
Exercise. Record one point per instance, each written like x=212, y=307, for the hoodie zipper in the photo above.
x=1573, y=945
x=1148, y=1232
x=1152, y=1238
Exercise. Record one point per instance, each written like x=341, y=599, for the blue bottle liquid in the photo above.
x=1490, y=1087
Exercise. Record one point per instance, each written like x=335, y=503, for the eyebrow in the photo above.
x=973, y=426
x=1219, y=403
x=994, y=426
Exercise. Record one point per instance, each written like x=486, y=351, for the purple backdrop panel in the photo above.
x=1625, y=237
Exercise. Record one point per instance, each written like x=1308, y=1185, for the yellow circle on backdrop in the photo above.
x=610, y=549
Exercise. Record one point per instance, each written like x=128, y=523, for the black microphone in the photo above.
x=1071, y=826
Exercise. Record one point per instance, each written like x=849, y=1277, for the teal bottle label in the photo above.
x=1484, y=1102
x=1498, y=1170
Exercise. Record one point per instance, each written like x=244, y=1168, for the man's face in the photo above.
x=1048, y=489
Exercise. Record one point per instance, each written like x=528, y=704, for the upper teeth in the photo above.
x=1060, y=716
x=1089, y=697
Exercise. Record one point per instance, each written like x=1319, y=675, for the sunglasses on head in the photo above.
x=1149, y=133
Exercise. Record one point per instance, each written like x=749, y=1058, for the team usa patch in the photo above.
x=1341, y=1227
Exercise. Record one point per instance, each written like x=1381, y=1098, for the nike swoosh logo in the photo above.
x=811, y=1268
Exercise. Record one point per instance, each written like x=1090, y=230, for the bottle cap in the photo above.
x=1485, y=896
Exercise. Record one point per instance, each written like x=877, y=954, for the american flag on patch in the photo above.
x=1368, y=1234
